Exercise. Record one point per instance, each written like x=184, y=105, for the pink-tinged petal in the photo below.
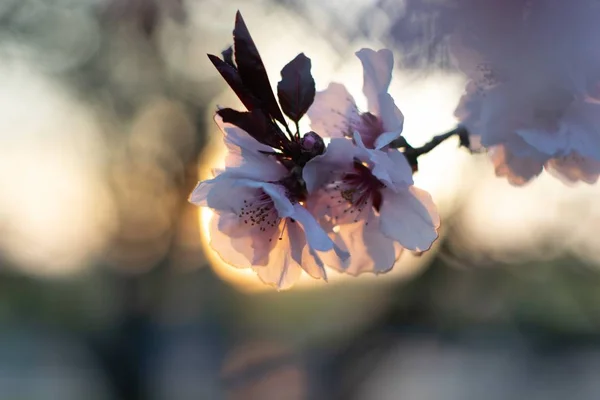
x=402, y=171
x=258, y=167
x=392, y=119
x=381, y=165
x=386, y=138
x=333, y=111
x=370, y=250
x=339, y=155
x=276, y=192
x=200, y=193
x=244, y=157
x=213, y=192
x=316, y=237
x=390, y=167
x=377, y=75
x=221, y=243
x=314, y=265
x=517, y=170
x=573, y=168
x=383, y=169
x=308, y=259
x=227, y=194
x=410, y=217
x=281, y=271
x=253, y=243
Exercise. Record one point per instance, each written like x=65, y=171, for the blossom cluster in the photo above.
x=290, y=201
x=533, y=96
x=342, y=195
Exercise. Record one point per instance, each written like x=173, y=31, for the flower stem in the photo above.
x=413, y=153
x=297, y=130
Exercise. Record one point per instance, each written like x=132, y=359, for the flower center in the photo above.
x=353, y=193
x=260, y=212
x=369, y=126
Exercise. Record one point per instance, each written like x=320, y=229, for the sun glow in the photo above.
x=55, y=210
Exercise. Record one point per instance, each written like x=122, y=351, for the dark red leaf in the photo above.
x=228, y=56
x=257, y=125
x=232, y=77
x=296, y=90
x=252, y=70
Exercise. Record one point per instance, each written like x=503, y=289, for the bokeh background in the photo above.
x=109, y=291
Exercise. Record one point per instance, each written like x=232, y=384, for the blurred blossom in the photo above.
x=532, y=94
x=55, y=209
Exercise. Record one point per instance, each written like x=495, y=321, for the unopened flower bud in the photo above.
x=313, y=143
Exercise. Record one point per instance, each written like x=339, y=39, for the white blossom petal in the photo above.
x=237, y=137
x=390, y=167
x=410, y=217
x=370, y=250
x=213, y=193
x=377, y=74
x=339, y=155
x=254, y=243
x=392, y=119
x=333, y=112
x=221, y=243
x=307, y=258
x=276, y=192
x=281, y=271
x=316, y=237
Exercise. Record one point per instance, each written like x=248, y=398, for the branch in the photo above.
x=413, y=153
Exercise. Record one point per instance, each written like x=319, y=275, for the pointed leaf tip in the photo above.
x=252, y=70
x=233, y=79
x=228, y=56
x=296, y=90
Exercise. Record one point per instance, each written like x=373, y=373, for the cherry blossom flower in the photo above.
x=366, y=200
x=361, y=189
x=334, y=112
x=286, y=202
x=532, y=98
x=260, y=222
